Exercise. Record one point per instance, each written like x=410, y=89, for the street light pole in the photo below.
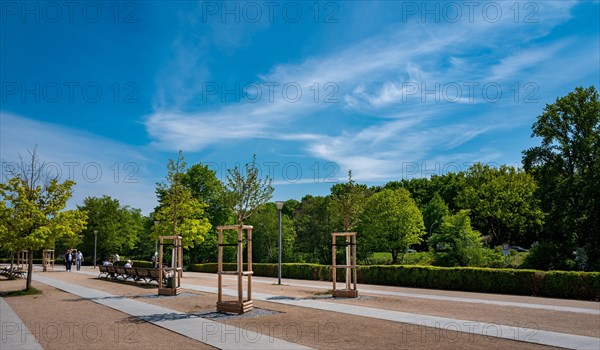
x=156, y=240
x=95, y=245
x=279, y=205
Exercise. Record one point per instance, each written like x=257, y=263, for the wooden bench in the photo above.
x=135, y=273
x=103, y=271
x=14, y=272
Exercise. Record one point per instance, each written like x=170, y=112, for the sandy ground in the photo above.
x=60, y=320
x=315, y=328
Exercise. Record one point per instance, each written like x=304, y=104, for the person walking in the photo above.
x=68, y=260
x=154, y=260
x=79, y=260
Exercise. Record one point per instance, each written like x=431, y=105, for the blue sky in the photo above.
x=109, y=91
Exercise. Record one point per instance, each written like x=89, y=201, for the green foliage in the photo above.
x=265, y=235
x=502, y=203
x=32, y=214
x=417, y=258
x=314, y=224
x=456, y=243
x=391, y=221
x=207, y=188
x=433, y=215
x=573, y=285
x=567, y=168
x=119, y=227
x=246, y=192
x=348, y=203
x=179, y=213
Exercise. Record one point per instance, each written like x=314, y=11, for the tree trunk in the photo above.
x=394, y=256
x=12, y=260
x=29, y=268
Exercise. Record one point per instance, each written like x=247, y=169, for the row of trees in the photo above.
x=552, y=205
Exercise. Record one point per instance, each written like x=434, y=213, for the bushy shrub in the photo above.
x=545, y=256
x=578, y=285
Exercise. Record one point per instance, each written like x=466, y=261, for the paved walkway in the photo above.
x=216, y=334
x=362, y=290
x=14, y=333
x=563, y=340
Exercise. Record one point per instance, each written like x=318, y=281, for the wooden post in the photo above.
x=176, y=266
x=48, y=259
x=22, y=261
x=240, y=305
x=220, y=266
x=249, y=247
x=349, y=265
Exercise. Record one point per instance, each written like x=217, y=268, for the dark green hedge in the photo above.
x=562, y=284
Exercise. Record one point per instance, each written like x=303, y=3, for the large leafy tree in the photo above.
x=32, y=214
x=246, y=190
x=503, y=204
x=207, y=188
x=392, y=221
x=314, y=222
x=567, y=168
x=179, y=213
x=456, y=243
x=118, y=227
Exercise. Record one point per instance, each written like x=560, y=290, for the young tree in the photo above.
x=392, y=221
x=246, y=192
x=349, y=201
x=179, y=213
x=456, y=243
x=567, y=167
x=32, y=214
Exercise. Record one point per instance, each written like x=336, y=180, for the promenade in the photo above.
x=78, y=309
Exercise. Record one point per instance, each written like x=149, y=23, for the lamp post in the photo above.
x=279, y=205
x=95, y=245
x=156, y=240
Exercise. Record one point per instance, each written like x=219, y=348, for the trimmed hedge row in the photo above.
x=558, y=284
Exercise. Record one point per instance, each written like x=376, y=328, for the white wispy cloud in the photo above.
x=377, y=78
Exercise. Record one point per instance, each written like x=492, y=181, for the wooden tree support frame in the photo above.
x=240, y=305
x=350, y=290
x=48, y=259
x=169, y=279
x=22, y=261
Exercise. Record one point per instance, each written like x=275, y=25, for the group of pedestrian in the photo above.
x=71, y=256
x=77, y=256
